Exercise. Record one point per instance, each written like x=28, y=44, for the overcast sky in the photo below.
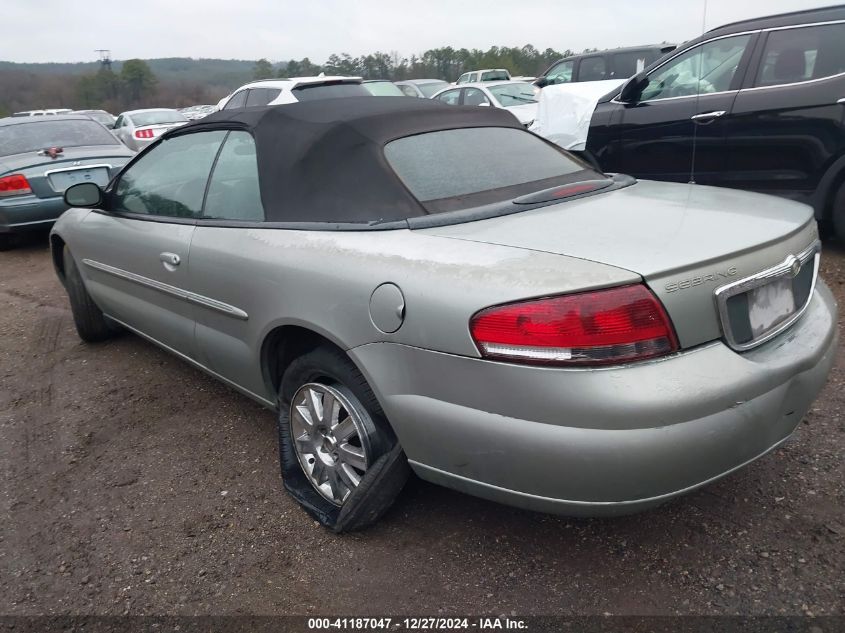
x=62, y=31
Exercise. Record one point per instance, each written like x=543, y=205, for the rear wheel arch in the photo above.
x=284, y=344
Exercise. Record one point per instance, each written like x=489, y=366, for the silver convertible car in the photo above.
x=428, y=288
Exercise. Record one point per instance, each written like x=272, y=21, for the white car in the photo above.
x=517, y=97
x=50, y=112
x=278, y=91
x=488, y=74
x=138, y=128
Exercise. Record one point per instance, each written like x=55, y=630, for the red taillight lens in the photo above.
x=143, y=133
x=14, y=185
x=617, y=325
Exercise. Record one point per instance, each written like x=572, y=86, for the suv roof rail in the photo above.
x=776, y=15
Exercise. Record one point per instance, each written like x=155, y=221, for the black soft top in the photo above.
x=323, y=160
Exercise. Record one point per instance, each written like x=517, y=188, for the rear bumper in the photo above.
x=29, y=213
x=600, y=441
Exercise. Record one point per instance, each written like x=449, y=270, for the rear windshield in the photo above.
x=495, y=75
x=462, y=168
x=44, y=133
x=429, y=89
x=383, y=89
x=309, y=92
x=159, y=117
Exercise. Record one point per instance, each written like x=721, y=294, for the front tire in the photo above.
x=339, y=457
x=838, y=213
x=8, y=241
x=91, y=325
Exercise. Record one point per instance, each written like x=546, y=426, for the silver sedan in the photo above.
x=414, y=287
x=138, y=128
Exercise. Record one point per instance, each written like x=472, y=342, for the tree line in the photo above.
x=445, y=63
x=137, y=86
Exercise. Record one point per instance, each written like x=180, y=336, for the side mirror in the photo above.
x=86, y=195
x=541, y=82
x=633, y=88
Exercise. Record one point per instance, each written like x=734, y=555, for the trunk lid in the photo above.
x=49, y=177
x=684, y=240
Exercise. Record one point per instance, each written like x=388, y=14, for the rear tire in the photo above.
x=312, y=456
x=91, y=325
x=8, y=241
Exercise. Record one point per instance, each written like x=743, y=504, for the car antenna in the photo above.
x=697, y=96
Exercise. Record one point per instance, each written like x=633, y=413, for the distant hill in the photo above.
x=226, y=73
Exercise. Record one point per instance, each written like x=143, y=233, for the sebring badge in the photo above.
x=701, y=279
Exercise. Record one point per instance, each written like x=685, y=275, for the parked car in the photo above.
x=491, y=74
x=421, y=88
x=100, y=116
x=138, y=128
x=194, y=113
x=382, y=88
x=49, y=112
x=40, y=158
x=615, y=63
x=756, y=105
x=413, y=284
x=276, y=91
x=514, y=96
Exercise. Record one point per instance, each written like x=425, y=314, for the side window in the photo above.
x=119, y=122
x=452, y=97
x=629, y=64
x=704, y=69
x=408, y=90
x=261, y=96
x=238, y=100
x=462, y=79
x=233, y=192
x=560, y=73
x=800, y=54
x=475, y=97
x=170, y=179
x=592, y=69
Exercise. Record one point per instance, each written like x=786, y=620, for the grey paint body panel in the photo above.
x=558, y=440
x=665, y=232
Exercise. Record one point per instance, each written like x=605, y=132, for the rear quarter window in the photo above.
x=458, y=164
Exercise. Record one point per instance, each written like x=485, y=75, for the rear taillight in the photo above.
x=617, y=325
x=143, y=133
x=14, y=185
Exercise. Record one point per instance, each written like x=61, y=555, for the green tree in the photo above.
x=137, y=79
x=263, y=69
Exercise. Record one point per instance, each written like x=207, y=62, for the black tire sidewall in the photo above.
x=330, y=367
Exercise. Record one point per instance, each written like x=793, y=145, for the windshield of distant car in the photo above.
x=309, y=92
x=157, y=117
x=383, y=89
x=46, y=133
x=101, y=117
x=513, y=94
x=429, y=89
x=462, y=168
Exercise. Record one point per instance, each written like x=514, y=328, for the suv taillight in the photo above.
x=617, y=325
x=14, y=185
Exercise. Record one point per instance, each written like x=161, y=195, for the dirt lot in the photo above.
x=132, y=483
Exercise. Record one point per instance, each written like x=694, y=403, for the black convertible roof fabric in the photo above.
x=323, y=161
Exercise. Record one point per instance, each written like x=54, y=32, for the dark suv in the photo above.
x=617, y=63
x=756, y=105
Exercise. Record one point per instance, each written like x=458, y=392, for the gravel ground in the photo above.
x=132, y=483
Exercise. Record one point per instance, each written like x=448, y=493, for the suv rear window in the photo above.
x=308, y=92
x=459, y=164
x=43, y=133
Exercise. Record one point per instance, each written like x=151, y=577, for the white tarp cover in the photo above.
x=565, y=110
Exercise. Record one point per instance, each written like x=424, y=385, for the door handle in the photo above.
x=170, y=260
x=706, y=117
